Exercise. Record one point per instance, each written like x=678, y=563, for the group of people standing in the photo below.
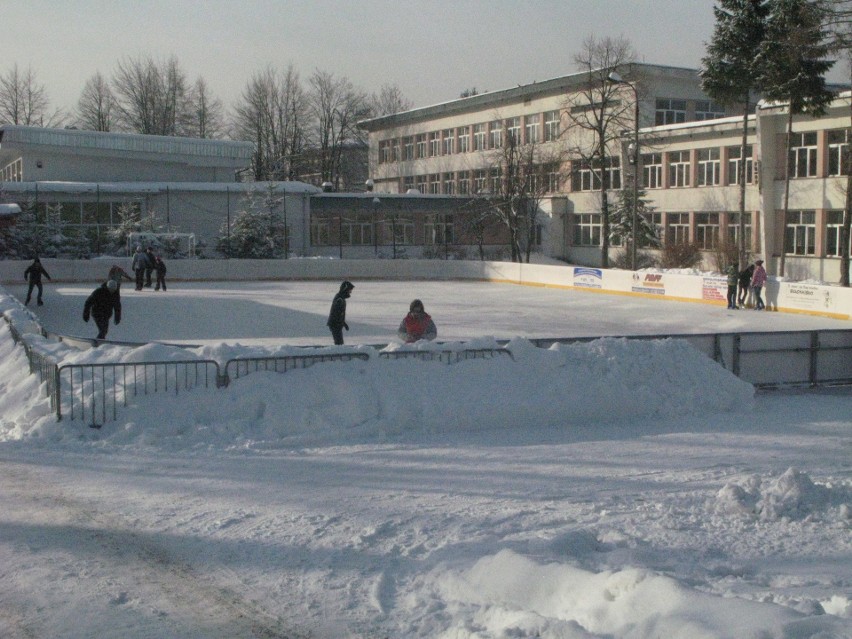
x=751, y=278
x=416, y=325
x=145, y=263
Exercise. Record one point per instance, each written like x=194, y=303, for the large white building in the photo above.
x=690, y=151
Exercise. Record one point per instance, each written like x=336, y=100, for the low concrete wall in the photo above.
x=795, y=297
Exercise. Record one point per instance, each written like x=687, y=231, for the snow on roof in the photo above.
x=9, y=210
x=157, y=187
x=13, y=135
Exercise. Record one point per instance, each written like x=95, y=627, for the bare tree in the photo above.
x=597, y=114
x=24, y=101
x=520, y=170
x=151, y=97
x=273, y=113
x=95, y=106
x=388, y=101
x=336, y=109
x=207, y=119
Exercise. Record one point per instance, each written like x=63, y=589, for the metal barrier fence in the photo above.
x=93, y=392
x=447, y=356
x=240, y=366
x=767, y=359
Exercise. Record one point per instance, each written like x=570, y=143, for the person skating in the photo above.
x=149, y=268
x=140, y=263
x=417, y=324
x=745, y=284
x=33, y=276
x=758, y=280
x=101, y=304
x=337, y=315
x=160, y=267
x=116, y=273
x=733, y=279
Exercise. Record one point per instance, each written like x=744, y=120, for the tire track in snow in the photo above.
x=141, y=581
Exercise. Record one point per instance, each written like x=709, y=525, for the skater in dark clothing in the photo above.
x=33, y=276
x=149, y=269
x=140, y=263
x=337, y=315
x=116, y=273
x=417, y=324
x=100, y=304
x=745, y=284
x=733, y=279
x=160, y=267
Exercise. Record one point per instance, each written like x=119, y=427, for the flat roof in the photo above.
x=17, y=136
x=482, y=100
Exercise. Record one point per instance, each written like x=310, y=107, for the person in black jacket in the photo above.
x=745, y=284
x=33, y=276
x=100, y=304
x=337, y=315
x=149, y=267
x=160, y=267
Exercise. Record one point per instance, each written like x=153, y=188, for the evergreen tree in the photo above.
x=621, y=220
x=729, y=74
x=257, y=232
x=792, y=65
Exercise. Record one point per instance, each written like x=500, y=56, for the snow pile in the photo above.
x=607, y=380
x=792, y=496
x=508, y=595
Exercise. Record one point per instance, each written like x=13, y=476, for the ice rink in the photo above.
x=295, y=312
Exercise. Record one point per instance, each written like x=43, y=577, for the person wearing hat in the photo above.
x=33, y=276
x=101, y=303
x=116, y=273
x=417, y=324
x=758, y=281
x=337, y=315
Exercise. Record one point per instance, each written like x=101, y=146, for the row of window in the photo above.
x=528, y=129
x=672, y=169
x=706, y=230
x=362, y=230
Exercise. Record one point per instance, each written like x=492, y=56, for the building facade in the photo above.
x=688, y=166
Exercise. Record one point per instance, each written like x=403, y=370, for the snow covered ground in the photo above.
x=608, y=489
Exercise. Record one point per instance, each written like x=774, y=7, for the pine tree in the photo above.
x=257, y=232
x=621, y=220
x=729, y=74
x=793, y=63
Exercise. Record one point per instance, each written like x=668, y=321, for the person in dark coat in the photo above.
x=149, y=253
x=160, y=267
x=745, y=284
x=140, y=263
x=33, y=276
x=101, y=304
x=337, y=315
x=116, y=273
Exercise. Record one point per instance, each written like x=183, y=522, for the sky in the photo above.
x=610, y=489
x=432, y=49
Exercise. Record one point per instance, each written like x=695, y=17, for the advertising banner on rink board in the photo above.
x=807, y=296
x=715, y=289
